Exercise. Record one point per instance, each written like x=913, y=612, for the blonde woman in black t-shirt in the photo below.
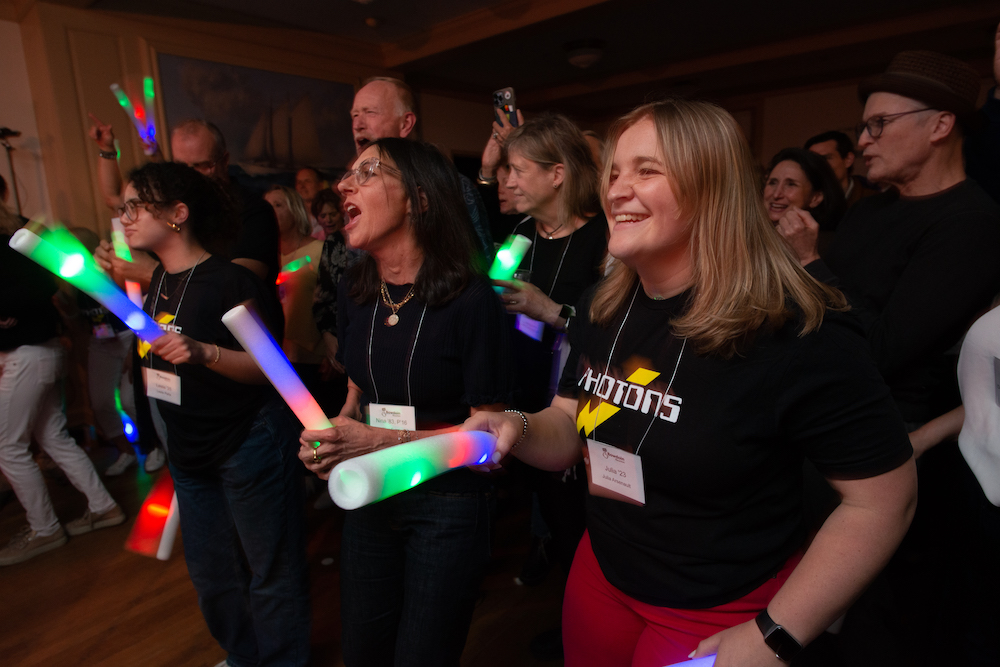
x=703, y=369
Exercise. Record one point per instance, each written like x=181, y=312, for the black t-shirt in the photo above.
x=258, y=232
x=27, y=316
x=721, y=451
x=917, y=271
x=216, y=413
x=563, y=269
x=441, y=360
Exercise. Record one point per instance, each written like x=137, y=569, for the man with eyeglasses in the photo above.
x=384, y=107
x=918, y=263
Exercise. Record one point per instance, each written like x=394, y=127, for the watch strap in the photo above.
x=785, y=646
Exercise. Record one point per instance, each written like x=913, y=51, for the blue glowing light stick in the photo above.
x=707, y=661
x=70, y=261
x=267, y=354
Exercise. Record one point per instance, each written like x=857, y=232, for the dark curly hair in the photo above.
x=212, y=217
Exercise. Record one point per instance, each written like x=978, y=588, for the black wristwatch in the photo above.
x=565, y=313
x=777, y=638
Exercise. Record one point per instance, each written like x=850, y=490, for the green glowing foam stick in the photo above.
x=378, y=475
x=509, y=257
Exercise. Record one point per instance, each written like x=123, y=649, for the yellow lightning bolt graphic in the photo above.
x=587, y=419
x=143, y=346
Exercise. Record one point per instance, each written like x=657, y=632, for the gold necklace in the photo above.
x=393, y=319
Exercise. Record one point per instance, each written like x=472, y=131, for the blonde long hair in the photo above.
x=744, y=275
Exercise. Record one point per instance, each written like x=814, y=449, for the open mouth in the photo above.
x=351, y=212
x=361, y=142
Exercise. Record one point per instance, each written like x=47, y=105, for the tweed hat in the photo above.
x=937, y=80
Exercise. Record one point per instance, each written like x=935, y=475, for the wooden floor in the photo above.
x=92, y=603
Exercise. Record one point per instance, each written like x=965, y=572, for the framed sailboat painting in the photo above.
x=273, y=123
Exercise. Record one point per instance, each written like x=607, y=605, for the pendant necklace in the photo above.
x=393, y=319
x=554, y=229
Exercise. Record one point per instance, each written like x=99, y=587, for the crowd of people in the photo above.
x=724, y=385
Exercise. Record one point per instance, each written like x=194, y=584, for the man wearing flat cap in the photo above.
x=918, y=263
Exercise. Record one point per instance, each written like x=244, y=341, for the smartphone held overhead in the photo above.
x=505, y=101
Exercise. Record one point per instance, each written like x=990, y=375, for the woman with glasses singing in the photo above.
x=703, y=369
x=232, y=440
x=421, y=334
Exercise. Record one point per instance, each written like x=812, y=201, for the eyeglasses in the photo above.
x=876, y=124
x=366, y=170
x=130, y=208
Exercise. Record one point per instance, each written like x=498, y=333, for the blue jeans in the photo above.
x=244, y=542
x=410, y=571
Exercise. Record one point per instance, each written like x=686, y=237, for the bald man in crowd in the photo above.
x=384, y=107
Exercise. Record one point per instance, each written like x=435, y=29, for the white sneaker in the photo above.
x=124, y=462
x=155, y=460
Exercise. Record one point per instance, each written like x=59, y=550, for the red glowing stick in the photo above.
x=152, y=518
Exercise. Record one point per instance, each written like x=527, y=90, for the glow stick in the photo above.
x=77, y=267
x=170, y=527
x=288, y=269
x=149, y=93
x=133, y=289
x=144, y=126
x=258, y=342
x=148, y=531
x=509, y=257
x=138, y=118
x=707, y=661
x=372, y=477
x=128, y=426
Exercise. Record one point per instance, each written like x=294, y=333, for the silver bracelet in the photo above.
x=524, y=428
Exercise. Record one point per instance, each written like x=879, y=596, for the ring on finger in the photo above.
x=317, y=458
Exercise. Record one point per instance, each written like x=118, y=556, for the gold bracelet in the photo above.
x=218, y=355
x=403, y=436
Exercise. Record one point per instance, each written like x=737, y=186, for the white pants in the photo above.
x=30, y=405
x=105, y=361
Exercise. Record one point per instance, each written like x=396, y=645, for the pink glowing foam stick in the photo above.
x=372, y=477
x=265, y=351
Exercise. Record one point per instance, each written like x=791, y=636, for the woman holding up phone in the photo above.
x=703, y=369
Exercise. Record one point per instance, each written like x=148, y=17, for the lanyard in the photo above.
x=534, y=244
x=156, y=299
x=409, y=359
x=608, y=369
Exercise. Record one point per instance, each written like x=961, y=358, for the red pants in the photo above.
x=604, y=627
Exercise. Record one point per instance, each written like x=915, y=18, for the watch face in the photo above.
x=782, y=643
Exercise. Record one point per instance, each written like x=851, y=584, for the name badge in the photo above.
x=162, y=385
x=614, y=473
x=103, y=331
x=395, y=417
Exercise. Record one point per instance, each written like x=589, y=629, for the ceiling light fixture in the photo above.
x=583, y=53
